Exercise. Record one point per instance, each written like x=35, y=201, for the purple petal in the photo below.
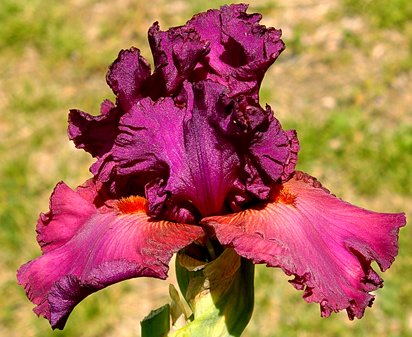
x=199, y=153
x=178, y=148
x=86, y=249
x=275, y=150
x=241, y=50
x=127, y=76
x=272, y=152
x=175, y=52
x=229, y=49
x=96, y=135
x=326, y=243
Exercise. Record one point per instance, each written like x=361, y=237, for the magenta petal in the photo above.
x=207, y=151
x=86, y=249
x=326, y=243
x=96, y=135
x=127, y=76
x=68, y=212
x=178, y=150
x=269, y=153
x=175, y=53
x=241, y=50
x=275, y=150
x=294, y=147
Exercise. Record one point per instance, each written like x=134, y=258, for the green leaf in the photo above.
x=157, y=323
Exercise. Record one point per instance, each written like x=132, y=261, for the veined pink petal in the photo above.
x=326, y=243
x=86, y=249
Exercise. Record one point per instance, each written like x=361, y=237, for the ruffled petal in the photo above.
x=68, y=212
x=241, y=50
x=127, y=77
x=326, y=243
x=86, y=249
x=203, y=153
x=213, y=145
x=175, y=53
x=178, y=151
x=269, y=153
x=290, y=163
x=96, y=135
x=275, y=150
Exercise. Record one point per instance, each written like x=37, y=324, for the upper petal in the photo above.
x=241, y=50
x=86, y=249
x=175, y=52
x=328, y=244
x=275, y=150
x=172, y=133
x=206, y=151
x=177, y=150
x=267, y=152
x=96, y=135
x=127, y=77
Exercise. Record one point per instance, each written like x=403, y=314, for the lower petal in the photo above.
x=326, y=243
x=107, y=247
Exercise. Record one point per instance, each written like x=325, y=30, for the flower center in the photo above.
x=282, y=195
x=132, y=204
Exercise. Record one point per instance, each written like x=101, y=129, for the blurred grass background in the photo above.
x=344, y=82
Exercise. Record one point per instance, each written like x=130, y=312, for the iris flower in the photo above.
x=185, y=157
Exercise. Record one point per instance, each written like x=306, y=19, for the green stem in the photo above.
x=211, y=250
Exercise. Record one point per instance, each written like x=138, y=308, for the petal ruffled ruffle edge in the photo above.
x=195, y=151
x=326, y=243
x=241, y=50
x=86, y=249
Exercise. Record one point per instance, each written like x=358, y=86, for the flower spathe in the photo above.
x=187, y=152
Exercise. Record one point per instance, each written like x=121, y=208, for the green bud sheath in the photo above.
x=157, y=323
x=220, y=294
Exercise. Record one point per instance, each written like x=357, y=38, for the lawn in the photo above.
x=344, y=83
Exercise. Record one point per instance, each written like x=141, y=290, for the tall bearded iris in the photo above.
x=187, y=158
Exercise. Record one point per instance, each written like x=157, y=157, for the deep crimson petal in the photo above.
x=225, y=52
x=127, y=76
x=294, y=147
x=204, y=152
x=326, y=243
x=269, y=153
x=86, y=249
